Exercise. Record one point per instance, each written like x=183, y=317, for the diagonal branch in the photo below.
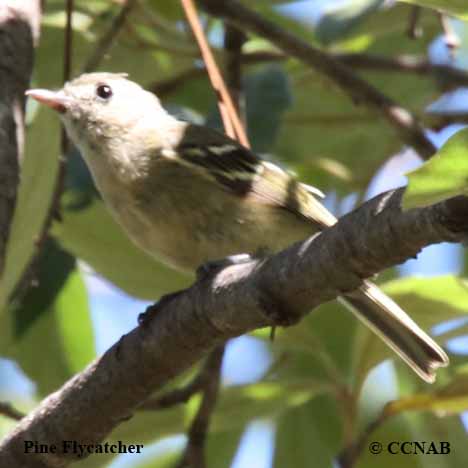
x=182, y=395
x=6, y=409
x=360, y=91
x=107, y=40
x=194, y=455
x=406, y=64
x=172, y=84
x=348, y=457
x=236, y=300
x=232, y=124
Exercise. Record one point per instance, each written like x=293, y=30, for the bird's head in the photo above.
x=103, y=109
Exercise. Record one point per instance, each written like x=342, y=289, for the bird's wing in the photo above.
x=242, y=172
x=218, y=157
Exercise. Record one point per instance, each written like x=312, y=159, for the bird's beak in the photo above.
x=54, y=99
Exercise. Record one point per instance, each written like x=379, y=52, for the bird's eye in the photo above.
x=104, y=91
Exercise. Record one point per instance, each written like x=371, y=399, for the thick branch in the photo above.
x=360, y=91
x=19, y=29
x=280, y=289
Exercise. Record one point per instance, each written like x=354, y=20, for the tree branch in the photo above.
x=182, y=395
x=350, y=454
x=232, y=125
x=406, y=64
x=438, y=120
x=406, y=125
x=19, y=30
x=6, y=409
x=277, y=290
x=194, y=455
x=172, y=84
x=105, y=42
x=452, y=41
x=414, y=31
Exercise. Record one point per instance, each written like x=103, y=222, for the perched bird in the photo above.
x=187, y=195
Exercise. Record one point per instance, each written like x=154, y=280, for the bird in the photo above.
x=189, y=195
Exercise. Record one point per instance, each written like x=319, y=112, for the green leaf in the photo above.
x=409, y=426
x=308, y=435
x=443, y=176
x=38, y=173
x=222, y=446
x=457, y=8
x=239, y=405
x=429, y=301
x=49, y=334
x=92, y=235
x=316, y=348
x=147, y=426
x=268, y=96
x=168, y=459
x=325, y=136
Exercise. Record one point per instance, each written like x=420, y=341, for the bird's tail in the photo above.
x=397, y=330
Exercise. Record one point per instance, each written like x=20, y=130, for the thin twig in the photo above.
x=360, y=91
x=64, y=141
x=135, y=39
x=67, y=64
x=194, y=455
x=234, y=39
x=171, y=85
x=350, y=454
x=451, y=39
x=232, y=124
x=406, y=64
x=181, y=395
x=414, y=30
x=105, y=42
x=6, y=409
x=439, y=120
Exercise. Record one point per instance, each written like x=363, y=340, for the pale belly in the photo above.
x=185, y=240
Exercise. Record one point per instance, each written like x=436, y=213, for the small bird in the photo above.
x=189, y=195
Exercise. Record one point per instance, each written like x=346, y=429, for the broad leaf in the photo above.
x=445, y=175
x=38, y=172
x=49, y=334
x=268, y=96
x=308, y=435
